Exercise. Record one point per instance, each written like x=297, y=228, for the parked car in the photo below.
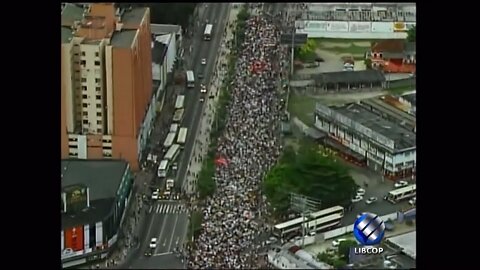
x=337, y=242
x=204, y=61
x=203, y=88
x=371, y=200
x=400, y=184
x=361, y=191
x=357, y=199
x=413, y=201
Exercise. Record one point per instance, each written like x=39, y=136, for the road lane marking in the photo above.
x=173, y=231
x=158, y=207
x=165, y=242
x=162, y=254
x=176, y=241
x=150, y=210
x=161, y=230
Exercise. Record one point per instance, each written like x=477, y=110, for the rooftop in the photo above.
x=362, y=121
x=102, y=177
x=394, y=46
x=71, y=13
x=160, y=29
x=134, y=16
x=363, y=76
x=412, y=98
x=66, y=34
x=123, y=39
x=159, y=51
x=407, y=242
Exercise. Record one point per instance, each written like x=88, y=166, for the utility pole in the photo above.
x=305, y=205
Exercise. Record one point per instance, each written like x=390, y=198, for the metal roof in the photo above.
x=363, y=76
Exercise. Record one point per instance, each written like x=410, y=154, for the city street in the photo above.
x=168, y=220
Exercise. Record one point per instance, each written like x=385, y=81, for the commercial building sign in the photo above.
x=360, y=27
x=382, y=27
x=337, y=26
x=74, y=238
x=399, y=27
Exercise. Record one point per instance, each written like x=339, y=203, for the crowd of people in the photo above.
x=248, y=148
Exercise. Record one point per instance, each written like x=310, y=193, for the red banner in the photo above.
x=74, y=238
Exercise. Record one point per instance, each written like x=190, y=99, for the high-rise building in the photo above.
x=106, y=81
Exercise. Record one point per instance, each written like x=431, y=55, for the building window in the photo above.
x=84, y=96
x=83, y=53
x=97, y=54
x=99, y=114
x=98, y=89
x=83, y=62
x=85, y=122
x=84, y=105
x=99, y=122
x=84, y=79
x=85, y=113
x=99, y=105
x=84, y=88
x=97, y=80
x=107, y=148
x=99, y=97
x=99, y=130
x=77, y=71
x=97, y=63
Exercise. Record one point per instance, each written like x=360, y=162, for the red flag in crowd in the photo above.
x=221, y=161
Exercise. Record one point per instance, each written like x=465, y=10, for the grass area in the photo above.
x=302, y=107
x=400, y=89
x=342, y=48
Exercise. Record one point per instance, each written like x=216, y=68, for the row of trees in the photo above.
x=310, y=173
x=206, y=182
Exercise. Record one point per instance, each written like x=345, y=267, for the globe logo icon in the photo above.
x=369, y=229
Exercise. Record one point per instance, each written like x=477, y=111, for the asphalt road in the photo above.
x=168, y=221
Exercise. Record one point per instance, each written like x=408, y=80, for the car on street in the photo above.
x=400, y=184
x=371, y=200
x=153, y=243
x=337, y=242
x=357, y=199
x=204, y=61
x=203, y=88
x=202, y=99
x=155, y=194
x=200, y=75
x=361, y=191
x=413, y=201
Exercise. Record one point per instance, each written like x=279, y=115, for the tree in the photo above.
x=325, y=257
x=412, y=34
x=344, y=248
x=339, y=263
x=306, y=52
x=308, y=173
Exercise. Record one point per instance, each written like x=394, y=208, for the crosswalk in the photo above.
x=168, y=209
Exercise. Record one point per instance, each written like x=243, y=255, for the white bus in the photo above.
x=182, y=135
x=190, y=79
x=294, y=225
x=180, y=102
x=174, y=128
x=323, y=223
x=207, y=35
x=163, y=168
x=169, y=140
x=172, y=152
x=178, y=115
x=399, y=194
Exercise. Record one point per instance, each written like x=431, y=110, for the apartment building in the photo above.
x=106, y=82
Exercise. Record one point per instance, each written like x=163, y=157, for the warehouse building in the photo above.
x=367, y=138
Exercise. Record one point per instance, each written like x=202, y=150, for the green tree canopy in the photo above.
x=306, y=52
x=308, y=173
x=412, y=34
x=344, y=248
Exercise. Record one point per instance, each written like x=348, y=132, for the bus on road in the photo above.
x=207, y=35
x=294, y=225
x=190, y=79
x=403, y=193
x=180, y=102
x=178, y=116
x=169, y=140
x=323, y=223
x=163, y=168
x=174, y=128
x=172, y=152
x=182, y=135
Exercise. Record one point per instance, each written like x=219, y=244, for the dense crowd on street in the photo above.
x=248, y=148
